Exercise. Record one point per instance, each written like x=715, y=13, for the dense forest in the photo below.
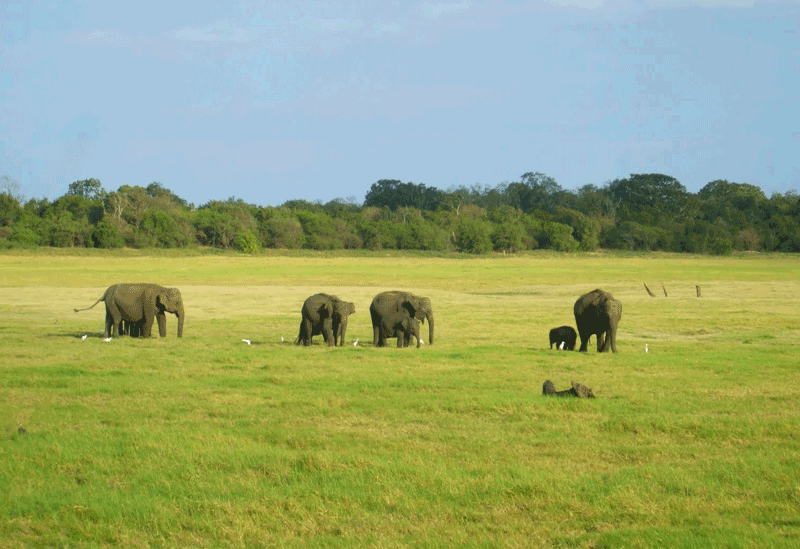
x=640, y=212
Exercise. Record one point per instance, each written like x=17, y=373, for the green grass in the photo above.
x=205, y=441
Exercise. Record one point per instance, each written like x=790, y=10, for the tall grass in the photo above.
x=207, y=441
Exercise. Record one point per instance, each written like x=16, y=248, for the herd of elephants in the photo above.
x=131, y=310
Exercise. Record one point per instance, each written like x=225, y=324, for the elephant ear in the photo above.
x=409, y=306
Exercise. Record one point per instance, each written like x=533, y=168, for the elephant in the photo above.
x=598, y=313
x=564, y=337
x=139, y=305
x=401, y=326
x=132, y=329
x=327, y=315
x=387, y=303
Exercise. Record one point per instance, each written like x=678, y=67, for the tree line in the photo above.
x=640, y=212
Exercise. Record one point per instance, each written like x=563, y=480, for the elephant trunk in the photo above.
x=430, y=328
x=180, y=314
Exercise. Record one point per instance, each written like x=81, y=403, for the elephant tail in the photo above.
x=87, y=308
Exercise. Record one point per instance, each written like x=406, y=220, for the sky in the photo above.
x=273, y=101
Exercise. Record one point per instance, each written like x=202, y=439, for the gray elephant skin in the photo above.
x=598, y=313
x=401, y=326
x=563, y=334
x=388, y=303
x=139, y=305
x=327, y=315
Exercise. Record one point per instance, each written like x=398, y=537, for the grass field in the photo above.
x=205, y=441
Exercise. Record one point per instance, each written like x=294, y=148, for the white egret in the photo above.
x=246, y=341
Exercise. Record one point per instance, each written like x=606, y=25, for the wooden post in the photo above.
x=648, y=290
x=698, y=291
x=665, y=290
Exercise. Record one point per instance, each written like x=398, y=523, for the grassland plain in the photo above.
x=208, y=442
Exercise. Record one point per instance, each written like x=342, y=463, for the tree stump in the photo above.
x=578, y=390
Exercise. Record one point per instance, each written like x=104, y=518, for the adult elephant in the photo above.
x=598, y=313
x=388, y=303
x=327, y=315
x=401, y=326
x=139, y=305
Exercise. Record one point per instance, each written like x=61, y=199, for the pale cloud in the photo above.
x=222, y=31
x=585, y=4
x=333, y=25
x=433, y=11
x=614, y=4
x=100, y=38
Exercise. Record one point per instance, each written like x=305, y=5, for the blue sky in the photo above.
x=274, y=101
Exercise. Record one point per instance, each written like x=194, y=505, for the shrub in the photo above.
x=472, y=235
x=246, y=242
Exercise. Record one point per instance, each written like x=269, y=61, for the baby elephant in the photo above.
x=401, y=326
x=564, y=337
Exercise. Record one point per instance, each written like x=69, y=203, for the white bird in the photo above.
x=246, y=341
x=421, y=341
x=107, y=339
x=281, y=339
x=645, y=347
x=84, y=336
x=355, y=342
x=561, y=347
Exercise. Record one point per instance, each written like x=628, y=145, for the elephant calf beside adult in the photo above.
x=327, y=315
x=401, y=326
x=598, y=313
x=387, y=304
x=139, y=305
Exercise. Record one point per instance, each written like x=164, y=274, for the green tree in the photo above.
x=246, y=242
x=217, y=223
x=650, y=198
x=507, y=236
x=473, y=235
x=394, y=194
x=10, y=209
x=557, y=236
x=585, y=230
x=87, y=188
x=107, y=235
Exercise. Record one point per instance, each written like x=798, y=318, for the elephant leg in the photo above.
x=611, y=340
x=305, y=332
x=161, y=317
x=327, y=331
x=584, y=342
x=147, y=328
x=601, y=339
